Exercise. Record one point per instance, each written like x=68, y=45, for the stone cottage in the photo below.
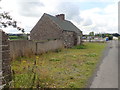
x=56, y=28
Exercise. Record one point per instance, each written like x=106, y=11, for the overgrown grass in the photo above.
x=66, y=68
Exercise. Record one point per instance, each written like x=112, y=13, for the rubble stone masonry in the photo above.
x=5, y=70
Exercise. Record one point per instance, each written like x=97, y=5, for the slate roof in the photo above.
x=64, y=24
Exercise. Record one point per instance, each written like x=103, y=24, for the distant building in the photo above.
x=54, y=28
x=115, y=38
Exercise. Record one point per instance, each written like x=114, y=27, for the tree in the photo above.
x=6, y=20
x=91, y=33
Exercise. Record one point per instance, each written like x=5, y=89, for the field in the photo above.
x=65, y=68
x=17, y=38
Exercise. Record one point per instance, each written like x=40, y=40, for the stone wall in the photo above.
x=27, y=48
x=49, y=46
x=5, y=69
x=69, y=39
x=0, y=59
x=19, y=48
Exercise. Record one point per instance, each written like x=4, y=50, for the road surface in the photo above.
x=107, y=74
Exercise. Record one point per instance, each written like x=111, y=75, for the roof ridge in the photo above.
x=55, y=17
x=64, y=24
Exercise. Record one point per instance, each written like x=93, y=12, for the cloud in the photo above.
x=30, y=9
x=87, y=22
x=89, y=0
x=100, y=19
x=88, y=18
x=95, y=19
x=71, y=10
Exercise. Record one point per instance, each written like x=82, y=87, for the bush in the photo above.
x=110, y=37
x=82, y=46
x=119, y=38
x=58, y=50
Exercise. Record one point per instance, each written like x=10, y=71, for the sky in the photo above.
x=99, y=16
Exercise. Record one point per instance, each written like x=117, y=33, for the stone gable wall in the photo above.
x=45, y=29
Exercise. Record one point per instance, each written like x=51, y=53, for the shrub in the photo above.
x=58, y=50
x=110, y=37
x=82, y=46
x=72, y=85
x=119, y=38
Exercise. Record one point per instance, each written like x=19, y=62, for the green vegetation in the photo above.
x=119, y=38
x=18, y=37
x=110, y=37
x=80, y=47
x=66, y=68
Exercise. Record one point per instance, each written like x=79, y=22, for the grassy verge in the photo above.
x=66, y=68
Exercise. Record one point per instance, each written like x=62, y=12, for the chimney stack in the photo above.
x=61, y=16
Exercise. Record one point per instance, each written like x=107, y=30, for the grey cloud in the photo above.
x=71, y=10
x=29, y=8
x=101, y=29
x=87, y=22
x=112, y=29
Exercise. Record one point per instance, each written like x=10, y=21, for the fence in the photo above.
x=27, y=47
x=5, y=70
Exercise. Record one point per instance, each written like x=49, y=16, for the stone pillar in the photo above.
x=0, y=60
x=5, y=70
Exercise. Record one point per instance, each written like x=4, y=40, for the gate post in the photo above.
x=5, y=68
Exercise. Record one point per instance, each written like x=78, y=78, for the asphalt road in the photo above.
x=107, y=74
